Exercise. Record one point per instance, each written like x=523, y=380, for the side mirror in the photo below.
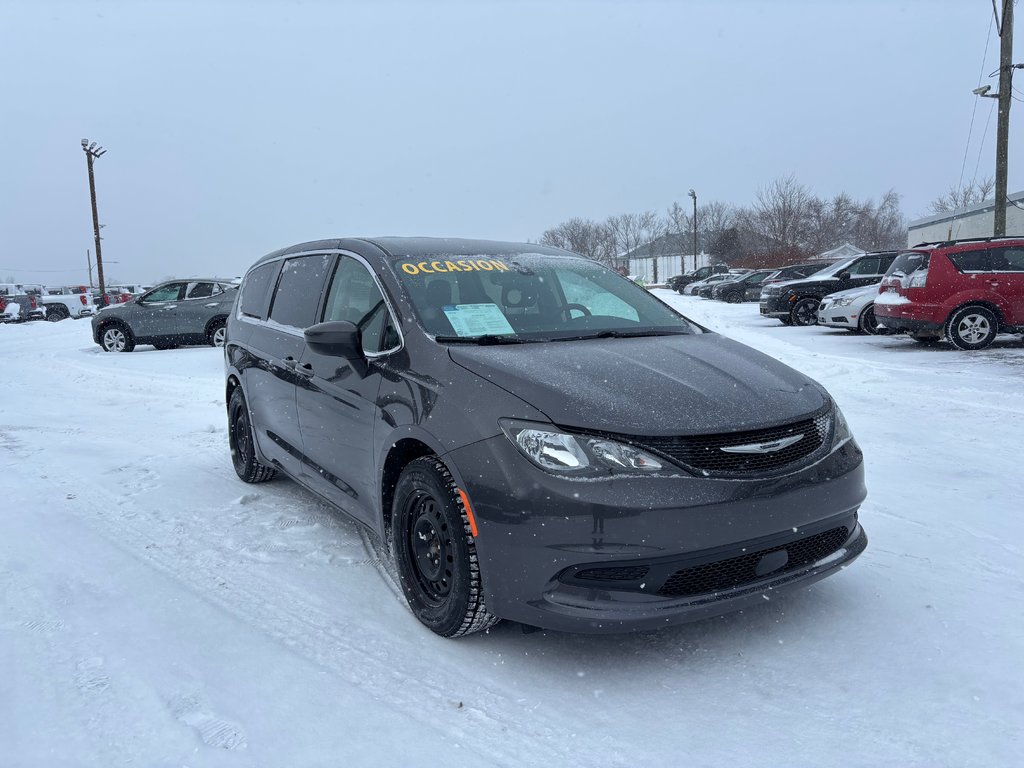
x=843, y=275
x=335, y=338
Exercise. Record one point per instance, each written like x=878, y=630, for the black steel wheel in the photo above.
x=805, y=312
x=868, y=323
x=734, y=297
x=116, y=338
x=241, y=442
x=972, y=327
x=435, y=553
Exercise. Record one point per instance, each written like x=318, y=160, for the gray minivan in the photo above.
x=533, y=437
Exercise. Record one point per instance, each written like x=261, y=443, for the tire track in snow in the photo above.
x=394, y=671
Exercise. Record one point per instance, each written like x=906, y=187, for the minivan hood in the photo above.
x=657, y=386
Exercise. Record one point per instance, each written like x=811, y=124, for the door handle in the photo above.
x=305, y=370
x=290, y=362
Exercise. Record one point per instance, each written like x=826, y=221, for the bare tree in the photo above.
x=651, y=227
x=583, y=236
x=956, y=197
x=626, y=234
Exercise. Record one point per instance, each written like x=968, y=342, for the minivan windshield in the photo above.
x=530, y=297
x=907, y=263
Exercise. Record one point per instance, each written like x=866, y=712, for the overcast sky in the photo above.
x=233, y=129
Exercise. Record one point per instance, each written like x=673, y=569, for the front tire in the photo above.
x=116, y=338
x=971, y=328
x=435, y=553
x=733, y=298
x=868, y=323
x=243, y=444
x=805, y=312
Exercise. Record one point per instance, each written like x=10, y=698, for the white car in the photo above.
x=852, y=309
x=691, y=289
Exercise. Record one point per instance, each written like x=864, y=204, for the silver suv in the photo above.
x=170, y=315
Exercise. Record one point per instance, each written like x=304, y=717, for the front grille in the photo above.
x=703, y=454
x=623, y=573
x=736, y=571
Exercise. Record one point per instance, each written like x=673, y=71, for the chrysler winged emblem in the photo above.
x=769, y=447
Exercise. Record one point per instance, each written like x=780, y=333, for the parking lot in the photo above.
x=155, y=605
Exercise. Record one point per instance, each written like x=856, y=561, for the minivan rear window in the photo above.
x=907, y=263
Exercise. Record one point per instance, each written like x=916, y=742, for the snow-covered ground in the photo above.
x=155, y=611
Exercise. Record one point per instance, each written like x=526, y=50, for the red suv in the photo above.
x=967, y=290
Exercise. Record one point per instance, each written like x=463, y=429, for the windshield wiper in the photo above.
x=613, y=334
x=487, y=338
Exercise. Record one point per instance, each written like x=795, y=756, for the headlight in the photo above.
x=841, y=430
x=843, y=301
x=561, y=452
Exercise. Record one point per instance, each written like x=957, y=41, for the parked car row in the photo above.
x=964, y=291
x=19, y=303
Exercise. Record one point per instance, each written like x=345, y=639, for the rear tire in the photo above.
x=733, y=298
x=57, y=312
x=971, y=328
x=243, y=443
x=215, y=333
x=435, y=553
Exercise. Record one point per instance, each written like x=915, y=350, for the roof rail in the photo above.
x=971, y=240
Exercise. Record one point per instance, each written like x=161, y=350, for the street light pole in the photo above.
x=1003, y=121
x=92, y=152
x=694, y=196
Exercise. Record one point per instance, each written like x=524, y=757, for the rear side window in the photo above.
x=1007, y=259
x=256, y=290
x=298, y=290
x=970, y=261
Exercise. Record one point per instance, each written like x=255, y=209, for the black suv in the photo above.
x=484, y=409
x=744, y=288
x=795, y=302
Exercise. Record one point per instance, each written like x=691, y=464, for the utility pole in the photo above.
x=694, y=196
x=1003, y=123
x=88, y=260
x=92, y=152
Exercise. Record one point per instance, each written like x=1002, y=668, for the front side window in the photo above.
x=298, y=290
x=530, y=297
x=355, y=297
x=169, y=292
x=868, y=266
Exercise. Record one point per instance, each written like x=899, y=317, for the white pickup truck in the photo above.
x=62, y=303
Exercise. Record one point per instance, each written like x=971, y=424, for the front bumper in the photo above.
x=606, y=555
x=838, y=317
x=775, y=306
